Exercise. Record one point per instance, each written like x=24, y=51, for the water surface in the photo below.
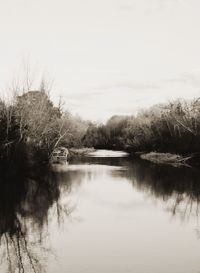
x=103, y=214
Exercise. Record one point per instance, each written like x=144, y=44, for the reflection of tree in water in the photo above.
x=25, y=200
x=179, y=187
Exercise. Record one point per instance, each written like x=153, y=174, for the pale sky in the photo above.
x=106, y=56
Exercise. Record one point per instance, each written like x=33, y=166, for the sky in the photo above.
x=104, y=57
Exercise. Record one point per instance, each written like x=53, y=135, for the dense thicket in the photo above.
x=173, y=127
x=31, y=126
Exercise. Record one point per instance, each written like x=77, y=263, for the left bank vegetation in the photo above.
x=31, y=127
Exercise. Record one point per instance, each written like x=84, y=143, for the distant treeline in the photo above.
x=31, y=127
x=172, y=127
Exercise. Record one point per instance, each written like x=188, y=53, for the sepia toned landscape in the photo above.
x=99, y=136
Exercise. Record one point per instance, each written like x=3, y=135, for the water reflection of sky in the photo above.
x=110, y=215
x=126, y=221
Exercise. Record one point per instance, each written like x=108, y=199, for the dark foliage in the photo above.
x=174, y=127
x=33, y=127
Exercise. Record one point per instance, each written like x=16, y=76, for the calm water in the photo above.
x=101, y=214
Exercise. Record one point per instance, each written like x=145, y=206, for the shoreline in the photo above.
x=174, y=160
x=79, y=152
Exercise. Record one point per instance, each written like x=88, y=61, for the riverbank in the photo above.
x=78, y=152
x=174, y=160
x=166, y=158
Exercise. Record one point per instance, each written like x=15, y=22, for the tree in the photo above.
x=36, y=116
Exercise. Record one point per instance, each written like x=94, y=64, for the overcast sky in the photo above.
x=106, y=56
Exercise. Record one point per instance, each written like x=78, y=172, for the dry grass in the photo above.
x=73, y=152
x=166, y=158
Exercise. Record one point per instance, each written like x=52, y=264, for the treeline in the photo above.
x=31, y=127
x=172, y=127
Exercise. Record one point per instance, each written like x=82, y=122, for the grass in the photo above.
x=74, y=152
x=166, y=158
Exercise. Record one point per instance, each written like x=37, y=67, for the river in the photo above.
x=104, y=213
